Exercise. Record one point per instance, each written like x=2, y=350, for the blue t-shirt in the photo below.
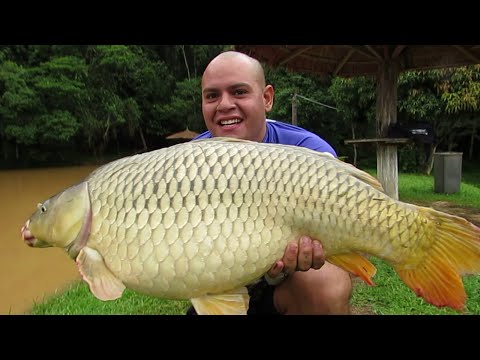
x=283, y=133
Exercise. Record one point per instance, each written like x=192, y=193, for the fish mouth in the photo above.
x=27, y=236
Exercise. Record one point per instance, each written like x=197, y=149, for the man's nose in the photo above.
x=225, y=103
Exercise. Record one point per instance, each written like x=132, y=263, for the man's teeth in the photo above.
x=230, y=122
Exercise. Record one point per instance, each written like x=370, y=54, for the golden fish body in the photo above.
x=205, y=218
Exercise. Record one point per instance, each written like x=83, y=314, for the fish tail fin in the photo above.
x=455, y=251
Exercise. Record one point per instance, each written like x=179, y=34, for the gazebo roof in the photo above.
x=185, y=134
x=352, y=60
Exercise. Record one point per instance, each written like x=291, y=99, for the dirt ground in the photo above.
x=469, y=213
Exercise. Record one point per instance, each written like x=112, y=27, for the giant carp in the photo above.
x=203, y=219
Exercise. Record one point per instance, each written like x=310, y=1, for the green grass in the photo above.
x=419, y=188
x=414, y=188
x=390, y=296
x=77, y=300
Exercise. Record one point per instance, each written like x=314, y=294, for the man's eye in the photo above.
x=210, y=96
x=240, y=92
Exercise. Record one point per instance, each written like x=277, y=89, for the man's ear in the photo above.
x=268, y=95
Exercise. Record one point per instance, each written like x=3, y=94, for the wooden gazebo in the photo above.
x=385, y=62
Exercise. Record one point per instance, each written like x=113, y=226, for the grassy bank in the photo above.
x=419, y=188
x=77, y=300
x=390, y=296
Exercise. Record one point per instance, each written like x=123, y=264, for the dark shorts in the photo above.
x=261, y=300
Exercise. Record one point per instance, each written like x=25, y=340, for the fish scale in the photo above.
x=201, y=220
x=171, y=206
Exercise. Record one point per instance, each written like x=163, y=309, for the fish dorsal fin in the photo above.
x=364, y=176
x=234, y=302
x=349, y=168
x=103, y=284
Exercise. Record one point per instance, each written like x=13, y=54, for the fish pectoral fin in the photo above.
x=355, y=264
x=103, y=284
x=232, y=303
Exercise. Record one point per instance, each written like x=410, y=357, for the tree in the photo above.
x=19, y=105
x=355, y=100
x=445, y=98
x=125, y=88
x=460, y=91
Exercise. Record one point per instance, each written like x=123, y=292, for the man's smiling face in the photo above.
x=235, y=99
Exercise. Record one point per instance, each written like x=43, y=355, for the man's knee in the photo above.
x=324, y=291
x=334, y=281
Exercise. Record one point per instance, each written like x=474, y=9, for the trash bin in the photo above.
x=447, y=172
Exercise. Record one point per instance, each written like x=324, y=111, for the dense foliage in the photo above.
x=71, y=103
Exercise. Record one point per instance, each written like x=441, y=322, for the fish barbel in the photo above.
x=203, y=219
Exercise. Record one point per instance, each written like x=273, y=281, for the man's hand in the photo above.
x=302, y=256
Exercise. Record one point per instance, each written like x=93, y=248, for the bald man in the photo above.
x=235, y=101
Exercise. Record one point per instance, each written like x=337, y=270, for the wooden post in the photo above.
x=294, y=109
x=387, y=161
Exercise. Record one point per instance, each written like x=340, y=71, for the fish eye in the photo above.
x=43, y=209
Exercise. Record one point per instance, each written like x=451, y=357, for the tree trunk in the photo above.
x=4, y=148
x=472, y=140
x=117, y=143
x=294, y=109
x=429, y=165
x=143, y=139
x=185, y=59
x=354, y=146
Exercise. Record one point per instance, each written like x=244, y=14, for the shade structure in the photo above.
x=185, y=134
x=385, y=62
x=354, y=60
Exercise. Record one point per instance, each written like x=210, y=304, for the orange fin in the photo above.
x=455, y=251
x=232, y=303
x=103, y=284
x=355, y=264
